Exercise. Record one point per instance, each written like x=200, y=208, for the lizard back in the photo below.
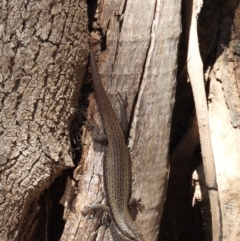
x=117, y=162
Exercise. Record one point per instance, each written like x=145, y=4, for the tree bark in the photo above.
x=224, y=106
x=138, y=62
x=44, y=48
x=195, y=71
x=218, y=34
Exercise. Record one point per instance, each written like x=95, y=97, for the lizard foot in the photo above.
x=95, y=207
x=136, y=203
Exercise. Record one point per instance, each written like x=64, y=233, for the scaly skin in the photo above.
x=117, y=163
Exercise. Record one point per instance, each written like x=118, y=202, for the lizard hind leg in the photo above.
x=135, y=206
x=97, y=132
x=95, y=207
x=136, y=203
x=97, y=136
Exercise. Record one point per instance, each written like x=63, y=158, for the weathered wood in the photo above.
x=195, y=70
x=224, y=118
x=221, y=64
x=44, y=48
x=139, y=64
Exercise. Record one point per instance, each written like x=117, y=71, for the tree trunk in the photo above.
x=44, y=48
x=218, y=41
x=137, y=63
x=224, y=110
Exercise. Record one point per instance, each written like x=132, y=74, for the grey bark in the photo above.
x=44, y=48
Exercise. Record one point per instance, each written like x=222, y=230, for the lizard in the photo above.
x=117, y=174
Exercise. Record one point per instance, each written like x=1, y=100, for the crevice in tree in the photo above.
x=121, y=15
x=104, y=41
x=79, y=120
x=180, y=220
x=49, y=219
x=145, y=67
x=93, y=25
x=92, y=6
x=44, y=220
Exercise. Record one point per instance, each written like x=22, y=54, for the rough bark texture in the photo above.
x=139, y=64
x=44, y=48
